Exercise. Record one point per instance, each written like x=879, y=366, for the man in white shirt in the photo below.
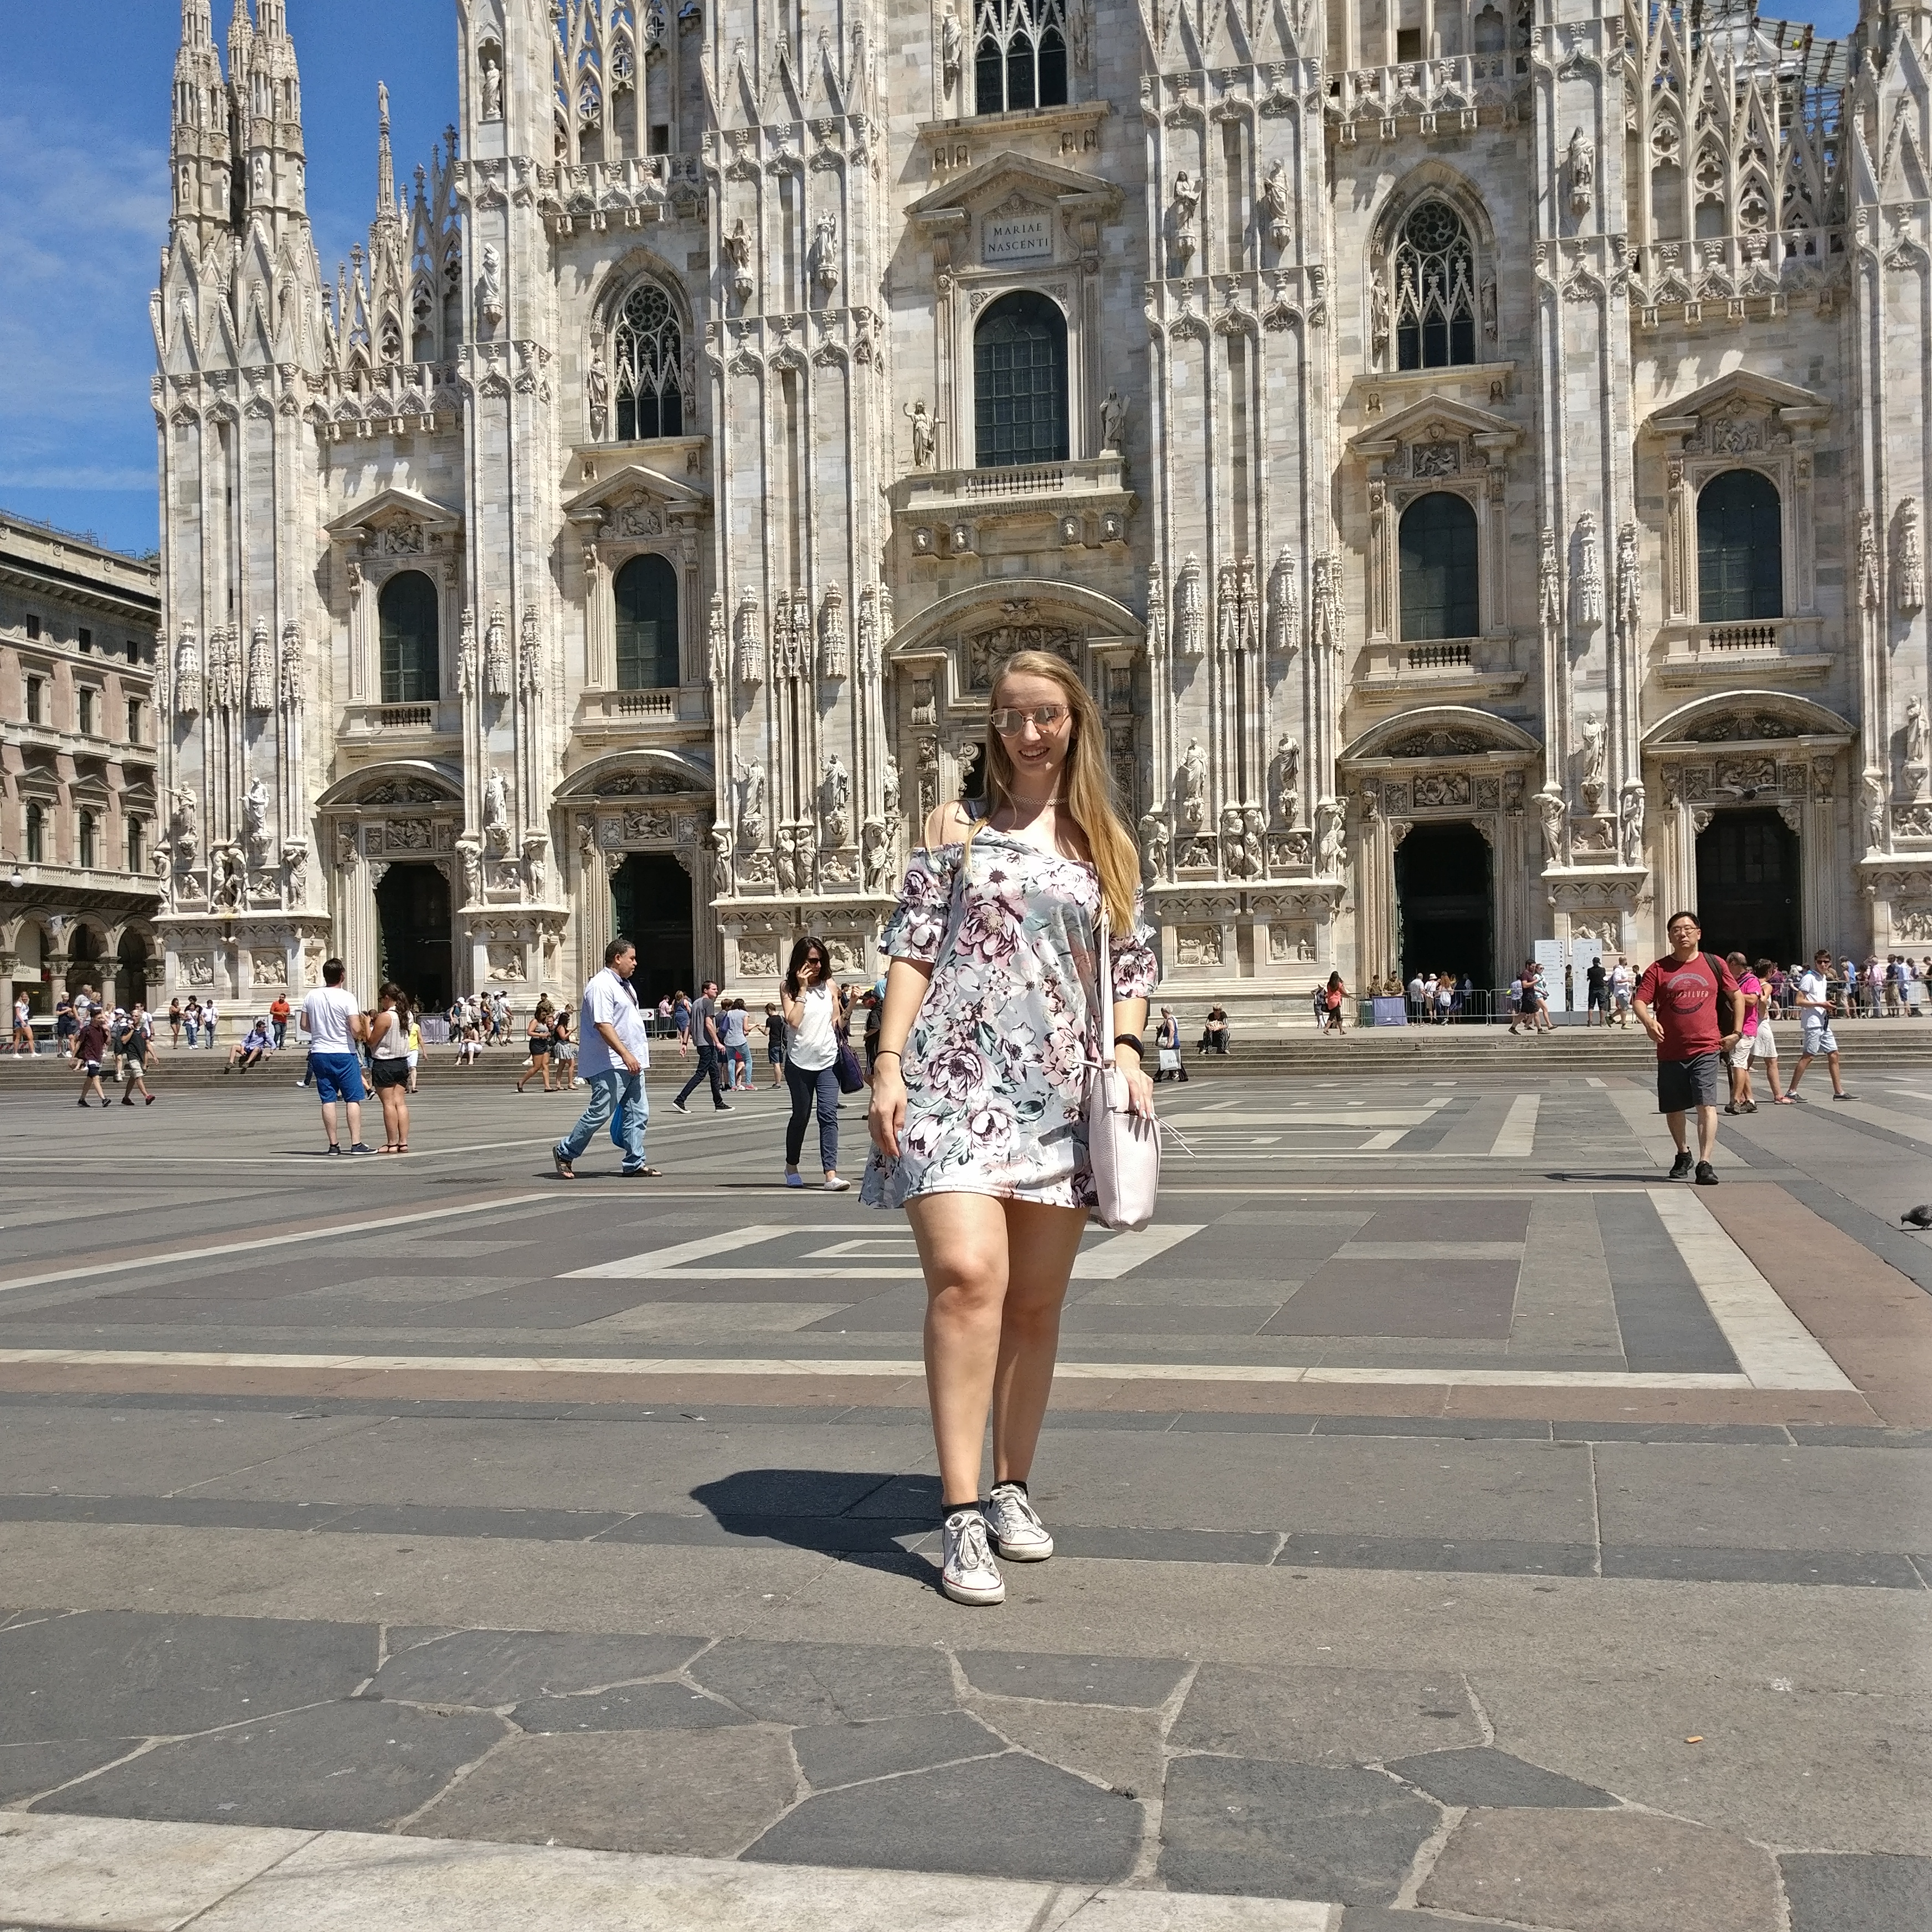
x=334, y=1023
x=613, y=1051
x=1814, y=1019
x=1623, y=982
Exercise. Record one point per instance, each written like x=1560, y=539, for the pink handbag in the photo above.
x=1122, y=1148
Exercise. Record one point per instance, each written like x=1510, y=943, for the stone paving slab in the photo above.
x=1603, y=1871
x=68, y=1873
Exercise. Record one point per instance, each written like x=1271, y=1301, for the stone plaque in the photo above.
x=1018, y=237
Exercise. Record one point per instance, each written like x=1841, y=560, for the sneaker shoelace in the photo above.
x=1017, y=1502
x=970, y=1550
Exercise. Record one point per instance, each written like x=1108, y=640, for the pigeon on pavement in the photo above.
x=1920, y=1216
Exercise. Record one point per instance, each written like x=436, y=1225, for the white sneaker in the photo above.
x=837, y=1185
x=1015, y=1527
x=969, y=1574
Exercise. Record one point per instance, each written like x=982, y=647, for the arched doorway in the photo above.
x=83, y=959
x=650, y=905
x=1747, y=887
x=130, y=971
x=412, y=935
x=1445, y=899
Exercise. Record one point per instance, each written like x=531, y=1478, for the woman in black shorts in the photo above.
x=389, y=1065
x=538, y=1034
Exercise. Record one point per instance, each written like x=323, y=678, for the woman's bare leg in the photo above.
x=1042, y=1242
x=963, y=1249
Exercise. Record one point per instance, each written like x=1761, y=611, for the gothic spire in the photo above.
x=197, y=26
x=385, y=165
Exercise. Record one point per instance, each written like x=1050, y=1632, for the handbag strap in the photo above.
x=1104, y=983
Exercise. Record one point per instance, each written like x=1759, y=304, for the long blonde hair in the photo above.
x=1087, y=789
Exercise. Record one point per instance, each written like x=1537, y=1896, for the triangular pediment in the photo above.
x=1008, y=174
x=1433, y=419
x=1741, y=390
x=394, y=509
x=636, y=486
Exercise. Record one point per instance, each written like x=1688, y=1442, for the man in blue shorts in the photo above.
x=335, y=1024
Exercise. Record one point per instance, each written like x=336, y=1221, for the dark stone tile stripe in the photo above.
x=1665, y=1324
x=861, y=1537
x=1897, y=1247
x=1263, y=1422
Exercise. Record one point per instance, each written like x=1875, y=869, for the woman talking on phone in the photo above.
x=977, y=1112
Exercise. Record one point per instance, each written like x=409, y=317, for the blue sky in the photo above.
x=84, y=212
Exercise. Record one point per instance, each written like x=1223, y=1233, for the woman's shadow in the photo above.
x=857, y=1516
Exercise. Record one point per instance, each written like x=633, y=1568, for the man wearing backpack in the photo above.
x=1682, y=1003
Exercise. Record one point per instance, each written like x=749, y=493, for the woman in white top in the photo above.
x=815, y=1009
x=389, y=1065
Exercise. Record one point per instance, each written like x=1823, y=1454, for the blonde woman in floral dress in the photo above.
x=977, y=1115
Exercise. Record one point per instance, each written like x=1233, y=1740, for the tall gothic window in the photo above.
x=1437, y=583
x=1740, y=549
x=646, y=596
x=1435, y=278
x=648, y=377
x=411, y=674
x=1019, y=383
x=1019, y=54
x=37, y=835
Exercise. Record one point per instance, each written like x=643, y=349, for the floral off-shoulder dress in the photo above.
x=995, y=1064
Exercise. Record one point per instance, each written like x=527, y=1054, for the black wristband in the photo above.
x=1133, y=1039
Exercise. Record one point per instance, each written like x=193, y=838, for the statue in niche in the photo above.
x=892, y=787
x=496, y=815
x=922, y=433
x=466, y=851
x=1285, y=781
x=1153, y=845
x=1156, y=614
x=187, y=826
x=1488, y=299
x=255, y=822
x=492, y=90
x=722, y=885
x=489, y=288
x=1632, y=854
x=1549, y=583
x=1550, y=810
x=876, y=843
x=1187, y=202
x=534, y=873
x=231, y=894
x=1595, y=745
x=597, y=392
x=951, y=34
x=1874, y=787
x=751, y=782
x=821, y=259
x=835, y=798
x=1589, y=584
x=1583, y=163
x=1328, y=847
x=785, y=861
x=1630, y=583
x=738, y=253
x=1918, y=749
x=1378, y=311
x=1113, y=420
x=1276, y=199
x=1191, y=787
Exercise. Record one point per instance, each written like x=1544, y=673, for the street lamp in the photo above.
x=16, y=878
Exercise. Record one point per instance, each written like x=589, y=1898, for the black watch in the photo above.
x=1133, y=1039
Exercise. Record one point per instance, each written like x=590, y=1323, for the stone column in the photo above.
x=592, y=901
x=7, y=962
x=355, y=919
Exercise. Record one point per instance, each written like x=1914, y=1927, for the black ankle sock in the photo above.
x=953, y=1509
x=1012, y=1483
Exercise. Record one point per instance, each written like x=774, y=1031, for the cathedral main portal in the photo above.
x=1446, y=902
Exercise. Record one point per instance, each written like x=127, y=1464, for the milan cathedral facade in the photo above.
x=1474, y=452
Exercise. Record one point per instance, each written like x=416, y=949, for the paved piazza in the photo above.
x=1458, y=1525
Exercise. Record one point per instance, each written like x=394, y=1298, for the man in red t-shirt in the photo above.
x=1681, y=1001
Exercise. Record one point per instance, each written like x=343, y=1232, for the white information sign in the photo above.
x=1548, y=954
x=1582, y=952
x=1017, y=238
